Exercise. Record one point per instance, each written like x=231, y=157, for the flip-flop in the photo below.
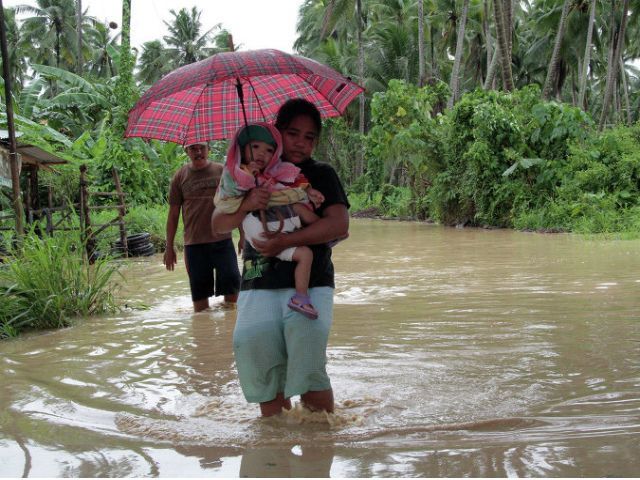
x=303, y=306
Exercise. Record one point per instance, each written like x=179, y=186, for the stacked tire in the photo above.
x=138, y=244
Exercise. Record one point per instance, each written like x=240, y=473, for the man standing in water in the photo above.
x=192, y=190
x=279, y=352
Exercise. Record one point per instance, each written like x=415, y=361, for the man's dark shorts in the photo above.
x=202, y=260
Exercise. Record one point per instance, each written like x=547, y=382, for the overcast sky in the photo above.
x=253, y=23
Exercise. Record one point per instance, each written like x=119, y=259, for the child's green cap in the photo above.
x=255, y=132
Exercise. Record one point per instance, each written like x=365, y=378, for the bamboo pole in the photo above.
x=48, y=213
x=85, y=219
x=121, y=213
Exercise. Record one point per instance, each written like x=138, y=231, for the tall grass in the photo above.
x=46, y=283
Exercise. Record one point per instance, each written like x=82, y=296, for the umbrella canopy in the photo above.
x=202, y=101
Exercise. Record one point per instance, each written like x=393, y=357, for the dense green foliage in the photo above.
x=502, y=160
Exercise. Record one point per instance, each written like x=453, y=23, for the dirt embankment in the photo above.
x=374, y=212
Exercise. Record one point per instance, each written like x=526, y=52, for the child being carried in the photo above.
x=253, y=160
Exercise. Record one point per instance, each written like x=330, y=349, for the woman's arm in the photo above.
x=333, y=224
x=256, y=199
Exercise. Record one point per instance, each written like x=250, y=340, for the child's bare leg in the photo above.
x=303, y=256
x=300, y=302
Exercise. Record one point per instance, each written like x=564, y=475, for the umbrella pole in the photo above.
x=244, y=113
x=263, y=214
x=241, y=97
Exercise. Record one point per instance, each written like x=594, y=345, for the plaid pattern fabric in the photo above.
x=199, y=102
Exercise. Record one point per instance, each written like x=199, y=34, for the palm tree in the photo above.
x=474, y=61
x=80, y=58
x=338, y=9
x=186, y=43
x=421, y=73
x=502, y=17
x=17, y=61
x=154, y=62
x=392, y=53
x=443, y=19
x=310, y=26
x=455, y=72
x=125, y=89
x=586, y=60
x=615, y=49
x=103, y=50
x=552, y=71
x=50, y=32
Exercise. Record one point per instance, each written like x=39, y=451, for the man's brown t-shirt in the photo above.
x=193, y=191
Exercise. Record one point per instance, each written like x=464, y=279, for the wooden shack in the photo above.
x=32, y=160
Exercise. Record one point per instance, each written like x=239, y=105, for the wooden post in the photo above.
x=49, y=213
x=81, y=202
x=121, y=213
x=34, y=181
x=28, y=202
x=14, y=158
x=85, y=219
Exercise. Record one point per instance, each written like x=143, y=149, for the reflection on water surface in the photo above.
x=453, y=353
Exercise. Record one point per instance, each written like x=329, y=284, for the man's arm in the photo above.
x=333, y=224
x=170, y=258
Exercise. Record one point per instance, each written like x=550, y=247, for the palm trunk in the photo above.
x=421, y=69
x=57, y=48
x=124, y=84
x=492, y=70
x=508, y=24
x=625, y=92
x=16, y=195
x=616, y=106
x=487, y=35
x=360, y=28
x=435, y=70
x=552, y=71
x=126, y=27
x=612, y=69
x=455, y=73
x=79, y=35
x=587, y=56
x=503, y=43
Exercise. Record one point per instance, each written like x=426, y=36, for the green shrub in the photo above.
x=598, y=187
x=46, y=283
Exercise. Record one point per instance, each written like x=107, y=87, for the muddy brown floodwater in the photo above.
x=453, y=353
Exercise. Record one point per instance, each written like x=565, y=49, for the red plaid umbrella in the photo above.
x=205, y=100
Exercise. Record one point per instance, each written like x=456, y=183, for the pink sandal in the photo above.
x=302, y=304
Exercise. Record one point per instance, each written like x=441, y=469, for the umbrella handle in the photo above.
x=244, y=113
x=241, y=97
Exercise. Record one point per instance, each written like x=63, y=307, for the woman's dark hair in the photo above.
x=296, y=107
